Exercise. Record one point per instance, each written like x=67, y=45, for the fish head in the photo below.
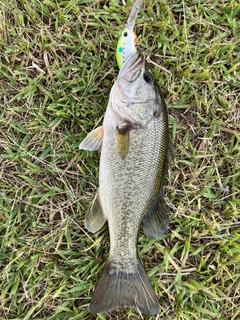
x=135, y=97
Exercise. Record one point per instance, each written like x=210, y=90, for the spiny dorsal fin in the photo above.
x=170, y=153
x=168, y=161
x=94, y=218
x=93, y=140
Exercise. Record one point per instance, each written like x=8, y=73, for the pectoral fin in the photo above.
x=93, y=140
x=123, y=138
x=156, y=222
x=94, y=218
x=123, y=144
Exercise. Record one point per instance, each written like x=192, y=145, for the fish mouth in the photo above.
x=134, y=62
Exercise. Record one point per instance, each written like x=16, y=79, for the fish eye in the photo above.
x=125, y=34
x=148, y=77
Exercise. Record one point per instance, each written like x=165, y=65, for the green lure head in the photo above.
x=127, y=42
x=126, y=46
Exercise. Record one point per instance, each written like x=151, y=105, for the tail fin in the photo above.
x=117, y=288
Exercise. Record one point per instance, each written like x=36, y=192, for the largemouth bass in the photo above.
x=134, y=143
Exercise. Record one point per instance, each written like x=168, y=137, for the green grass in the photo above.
x=57, y=65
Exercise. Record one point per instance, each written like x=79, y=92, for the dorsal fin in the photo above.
x=156, y=222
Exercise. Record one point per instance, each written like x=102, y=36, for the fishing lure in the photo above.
x=127, y=42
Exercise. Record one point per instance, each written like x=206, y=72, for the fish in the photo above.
x=126, y=45
x=135, y=155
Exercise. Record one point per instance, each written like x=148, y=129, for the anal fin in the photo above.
x=94, y=218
